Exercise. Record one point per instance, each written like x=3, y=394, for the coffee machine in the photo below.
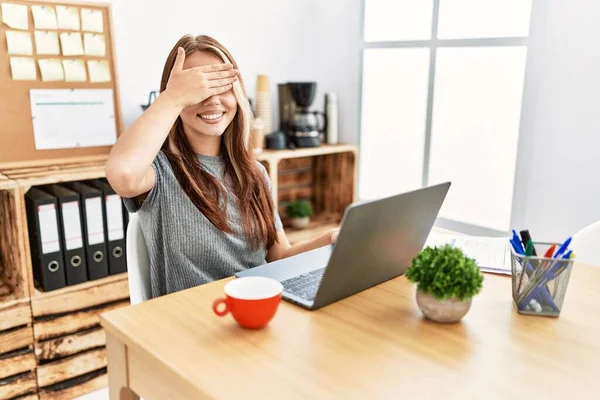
x=304, y=128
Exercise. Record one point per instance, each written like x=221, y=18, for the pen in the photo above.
x=529, y=250
x=517, y=242
x=515, y=247
x=550, y=251
x=563, y=266
x=526, y=237
x=563, y=247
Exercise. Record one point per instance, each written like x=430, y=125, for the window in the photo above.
x=442, y=88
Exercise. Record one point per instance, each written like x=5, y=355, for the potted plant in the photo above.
x=447, y=280
x=299, y=213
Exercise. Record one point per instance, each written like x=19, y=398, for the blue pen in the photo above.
x=517, y=242
x=515, y=246
x=562, y=248
x=561, y=267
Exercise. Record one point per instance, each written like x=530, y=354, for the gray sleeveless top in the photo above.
x=184, y=248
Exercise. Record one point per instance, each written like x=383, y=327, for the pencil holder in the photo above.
x=539, y=284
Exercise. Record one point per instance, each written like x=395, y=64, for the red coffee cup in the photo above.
x=252, y=300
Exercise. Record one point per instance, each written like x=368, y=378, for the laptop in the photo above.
x=377, y=241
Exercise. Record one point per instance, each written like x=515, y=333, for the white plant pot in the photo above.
x=448, y=311
x=300, y=223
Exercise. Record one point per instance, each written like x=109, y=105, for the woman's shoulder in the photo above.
x=161, y=163
x=263, y=170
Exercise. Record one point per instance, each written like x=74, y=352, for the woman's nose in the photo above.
x=211, y=101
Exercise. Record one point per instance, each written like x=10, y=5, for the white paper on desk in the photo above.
x=74, y=71
x=491, y=254
x=99, y=71
x=51, y=69
x=92, y=20
x=70, y=118
x=68, y=17
x=44, y=17
x=71, y=43
x=19, y=43
x=94, y=44
x=46, y=43
x=23, y=69
x=15, y=16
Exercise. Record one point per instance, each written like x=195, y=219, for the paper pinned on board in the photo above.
x=92, y=20
x=51, y=69
x=46, y=43
x=72, y=118
x=492, y=254
x=15, y=16
x=68, y=18
x=19, y=43
x=94, y=44
x=74, y=71
x=23, y=69
x=44, y=17
x=99, y=71
x=71, y=43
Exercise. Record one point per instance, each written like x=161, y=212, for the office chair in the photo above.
x=138, y=263
x=586, y=245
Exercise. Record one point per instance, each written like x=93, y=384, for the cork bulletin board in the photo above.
x=17, y=139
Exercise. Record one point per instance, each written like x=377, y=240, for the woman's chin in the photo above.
x=209, y=130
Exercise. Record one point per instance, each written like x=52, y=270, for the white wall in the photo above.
x=561, y=152
x=288, y=40
x=557, y=191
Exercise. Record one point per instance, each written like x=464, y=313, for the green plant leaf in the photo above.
x=445, y=272
x=299, y=209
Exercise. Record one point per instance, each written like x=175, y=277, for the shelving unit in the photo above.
x=51, y=343
x=44, y=351
x=325, y=175
x=17, y=358
x=66, y=346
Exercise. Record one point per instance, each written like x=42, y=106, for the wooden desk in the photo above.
x=372, y=345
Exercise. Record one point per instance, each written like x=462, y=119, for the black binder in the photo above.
x=93, y=229
x=71, y=233
x=44, y=240
x=114, y=226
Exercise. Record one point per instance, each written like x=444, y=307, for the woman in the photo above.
x=185, y=165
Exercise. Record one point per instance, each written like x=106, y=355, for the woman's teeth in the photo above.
x=211, y=116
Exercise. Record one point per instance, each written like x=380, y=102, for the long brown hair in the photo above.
x=242, y=173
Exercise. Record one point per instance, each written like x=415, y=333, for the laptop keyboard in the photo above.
x=304, y=286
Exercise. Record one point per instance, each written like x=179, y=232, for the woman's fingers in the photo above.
x=218, y=90
x=222, y=82
x=215, y=67
x=221, y=74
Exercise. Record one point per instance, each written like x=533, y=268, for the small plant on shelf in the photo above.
x=299, y=213
x=446, y=281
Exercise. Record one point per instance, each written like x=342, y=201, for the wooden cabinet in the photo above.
x=51, y=343
x=324, y=175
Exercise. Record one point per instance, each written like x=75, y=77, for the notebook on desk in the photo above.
x=492, y=254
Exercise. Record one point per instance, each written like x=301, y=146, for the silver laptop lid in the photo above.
x=378, y=241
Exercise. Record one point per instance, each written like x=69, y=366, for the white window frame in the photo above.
x=534, y=44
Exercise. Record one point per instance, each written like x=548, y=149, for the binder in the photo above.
x=114, y=231
x=71, y=233
x=93, y=229
x=44, y=240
